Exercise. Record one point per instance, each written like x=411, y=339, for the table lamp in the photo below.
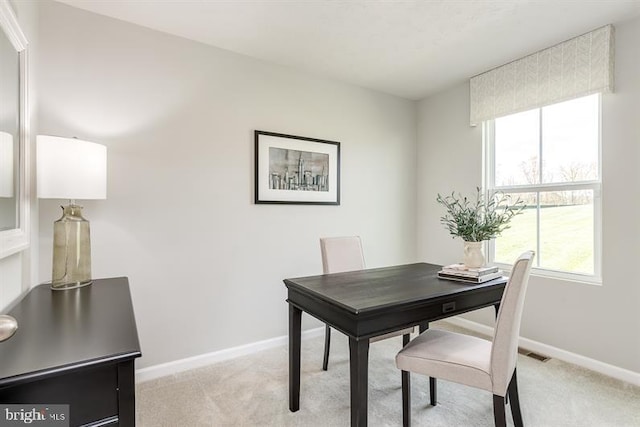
x=71, y=169
x=6, y=164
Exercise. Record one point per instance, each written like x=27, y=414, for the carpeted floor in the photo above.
x=253, y=391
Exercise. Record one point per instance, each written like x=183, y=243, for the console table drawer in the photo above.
x=92, y=394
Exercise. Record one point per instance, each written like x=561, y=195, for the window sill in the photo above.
x=558, y=275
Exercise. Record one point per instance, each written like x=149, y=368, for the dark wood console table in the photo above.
x=74, y=347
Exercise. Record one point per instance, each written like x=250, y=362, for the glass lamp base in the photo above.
x=71, y=250
x=72, y=285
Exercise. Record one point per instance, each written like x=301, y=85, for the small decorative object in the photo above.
x=462, y=273
x=71, y=169
x=478, y=220
x=8, y=327
x=296, y=170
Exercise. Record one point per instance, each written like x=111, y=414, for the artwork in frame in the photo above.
x=296, y=170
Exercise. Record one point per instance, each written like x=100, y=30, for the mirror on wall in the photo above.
x=14, y=134
x=9, y=132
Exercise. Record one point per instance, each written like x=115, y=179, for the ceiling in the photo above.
x=410, y=49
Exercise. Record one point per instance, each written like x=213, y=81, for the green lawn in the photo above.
x=566, y=238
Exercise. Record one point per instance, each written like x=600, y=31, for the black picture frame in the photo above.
x=296, y=170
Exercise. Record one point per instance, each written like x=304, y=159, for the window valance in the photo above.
x=577, y=67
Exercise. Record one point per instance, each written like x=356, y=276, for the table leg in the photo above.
x=359, y=367
x=295, y=323
x=126, y=394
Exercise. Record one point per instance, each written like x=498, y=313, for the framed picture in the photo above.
x=296, y=170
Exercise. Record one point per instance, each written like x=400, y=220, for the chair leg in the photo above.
x=406, y=399
x=327, y=344
x=433, y=391
x=498, y=411
x=512, y=392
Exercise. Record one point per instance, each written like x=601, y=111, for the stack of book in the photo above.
x=461, y=273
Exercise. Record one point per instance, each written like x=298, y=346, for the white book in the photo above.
x=463, y=270
x=468, y=279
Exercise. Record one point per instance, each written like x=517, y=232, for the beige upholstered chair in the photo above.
x=474, y=361
x=341, y=254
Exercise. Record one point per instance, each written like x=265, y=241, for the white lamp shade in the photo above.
x=71, y=169
x=6, y=164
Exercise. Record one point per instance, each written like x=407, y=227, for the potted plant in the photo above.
x=478, y=220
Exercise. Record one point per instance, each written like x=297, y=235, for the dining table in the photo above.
x=366, y=303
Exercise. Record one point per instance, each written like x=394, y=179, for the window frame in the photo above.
x=488, y=139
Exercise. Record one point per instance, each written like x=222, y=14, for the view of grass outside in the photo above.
x=566, y=238
x=549, y=158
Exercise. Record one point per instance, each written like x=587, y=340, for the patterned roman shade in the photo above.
x=577, y=67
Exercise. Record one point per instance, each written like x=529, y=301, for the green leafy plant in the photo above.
x=479, y=219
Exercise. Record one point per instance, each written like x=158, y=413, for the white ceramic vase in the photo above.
x=473, y=256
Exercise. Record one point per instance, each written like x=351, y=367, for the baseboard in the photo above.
x=557, y=353
x=176, y=366
x=169, y=368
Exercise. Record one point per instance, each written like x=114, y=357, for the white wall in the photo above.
x=10, y=279
x=206, y=264
x=599, y=322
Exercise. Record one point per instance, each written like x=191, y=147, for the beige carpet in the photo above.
x=253, y=391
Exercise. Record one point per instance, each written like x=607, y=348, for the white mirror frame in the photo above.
x=17, y=239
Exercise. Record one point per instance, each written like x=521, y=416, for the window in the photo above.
x=550, y=158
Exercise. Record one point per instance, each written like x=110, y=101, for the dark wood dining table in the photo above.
x=366, y=303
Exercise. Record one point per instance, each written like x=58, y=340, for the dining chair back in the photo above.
x=504, y=351
x=474, y=361
x=339, y=255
